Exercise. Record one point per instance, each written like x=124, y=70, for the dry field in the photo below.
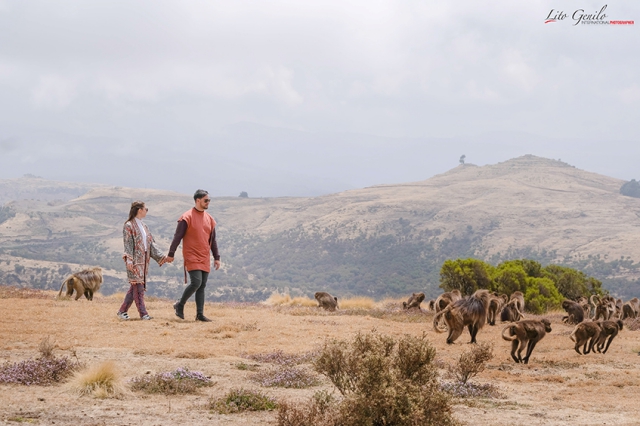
x=558, y=387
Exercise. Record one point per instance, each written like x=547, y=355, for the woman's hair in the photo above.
x=135, y=206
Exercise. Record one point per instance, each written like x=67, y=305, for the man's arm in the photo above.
x=181, y=229
x=214, y=250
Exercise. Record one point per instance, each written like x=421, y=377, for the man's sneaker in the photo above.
x=123, y=315
x=202, y=318
x=179, y=309
x=147, y=317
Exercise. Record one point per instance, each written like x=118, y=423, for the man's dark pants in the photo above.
x=198, y=283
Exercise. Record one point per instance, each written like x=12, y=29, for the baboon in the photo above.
x=610, y=329
x=445, y=299
x=525, y=333
x=604, y=307
x=326, y=301
x=628, y=311
x=574, y=311
x=586, y=335
x=495, y=306
x=87, y=282
x=469, y=312
x=414, y=301
x=519, y=298
x=511, y=313
x=635, y=304
x=586, y=307
x=432, y=305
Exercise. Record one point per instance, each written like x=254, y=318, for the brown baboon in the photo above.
x=326, y=301
x=469, y=312
x=586, y=335
x=610, y=329
x=432, y=305
x=445, y=299
x=85, y=282
x=495, y=306
x=586, y=306
x=414, y=301
x=604, y=307
x=628, y=311
x=635, y=304
x=526, y=333
x=511, y=313
x=519, y=298
x=574, y=311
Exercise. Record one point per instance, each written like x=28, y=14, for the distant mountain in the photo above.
x=385, y=240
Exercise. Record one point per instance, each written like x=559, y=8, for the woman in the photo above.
x=139, y=247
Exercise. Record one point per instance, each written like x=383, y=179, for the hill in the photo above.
x=376, y=241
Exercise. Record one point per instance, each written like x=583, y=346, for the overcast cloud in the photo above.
x=305, y=98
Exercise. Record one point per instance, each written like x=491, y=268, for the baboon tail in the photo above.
x=62, y=286
x=437, y=316
x=511, y=336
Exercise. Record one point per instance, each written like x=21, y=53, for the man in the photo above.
x=197, y=230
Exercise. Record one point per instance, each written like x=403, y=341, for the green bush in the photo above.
x=238, y=400
x=382, y=381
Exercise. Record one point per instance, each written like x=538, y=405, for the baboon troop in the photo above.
x=470, y=312
x=87, y=282
x=526, y=333
x=326, y=301
x=574, y=310
x=414, y=301
x=593, y=331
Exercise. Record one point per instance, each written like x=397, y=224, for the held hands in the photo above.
x=129, y=265
x=216, y=264
x=168, y=259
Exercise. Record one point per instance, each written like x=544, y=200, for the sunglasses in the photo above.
x=207, y=200
x=146, y=209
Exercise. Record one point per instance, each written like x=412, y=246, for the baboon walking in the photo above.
x=526, y=333
x=470, y=312
x=586, y=334
x=495, y=306
x=326, y=301
x=85, y=282
x=609, y=329
x=414, y=301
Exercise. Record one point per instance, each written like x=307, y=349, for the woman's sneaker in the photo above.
x=123, y=315
x=147, y=317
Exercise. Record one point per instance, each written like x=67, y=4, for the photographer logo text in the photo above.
x=582, y=17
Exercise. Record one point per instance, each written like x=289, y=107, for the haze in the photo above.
x=308, y=98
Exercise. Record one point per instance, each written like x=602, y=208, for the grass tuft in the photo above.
x=286, y=376
x=179, y=381
x=357, y=303
x=101, y=381
x=239, y=400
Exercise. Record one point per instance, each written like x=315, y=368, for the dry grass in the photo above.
x=357, y=303
x=277, y=299
x=103, y=380
x=155, y=346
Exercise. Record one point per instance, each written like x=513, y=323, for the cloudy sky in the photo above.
x=303, y=98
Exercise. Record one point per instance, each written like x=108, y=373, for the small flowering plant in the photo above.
x=179, y=381
x=40, y=371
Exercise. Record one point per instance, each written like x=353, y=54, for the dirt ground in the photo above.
x=558, y=387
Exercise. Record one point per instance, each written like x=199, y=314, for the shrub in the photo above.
x=320, y=410
x=237, y=400
x=102, y=381
x=286, y=376
x=42, y=371
x=179, y=381
x=381, y=380
x=282, y=358
x=471, y=362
